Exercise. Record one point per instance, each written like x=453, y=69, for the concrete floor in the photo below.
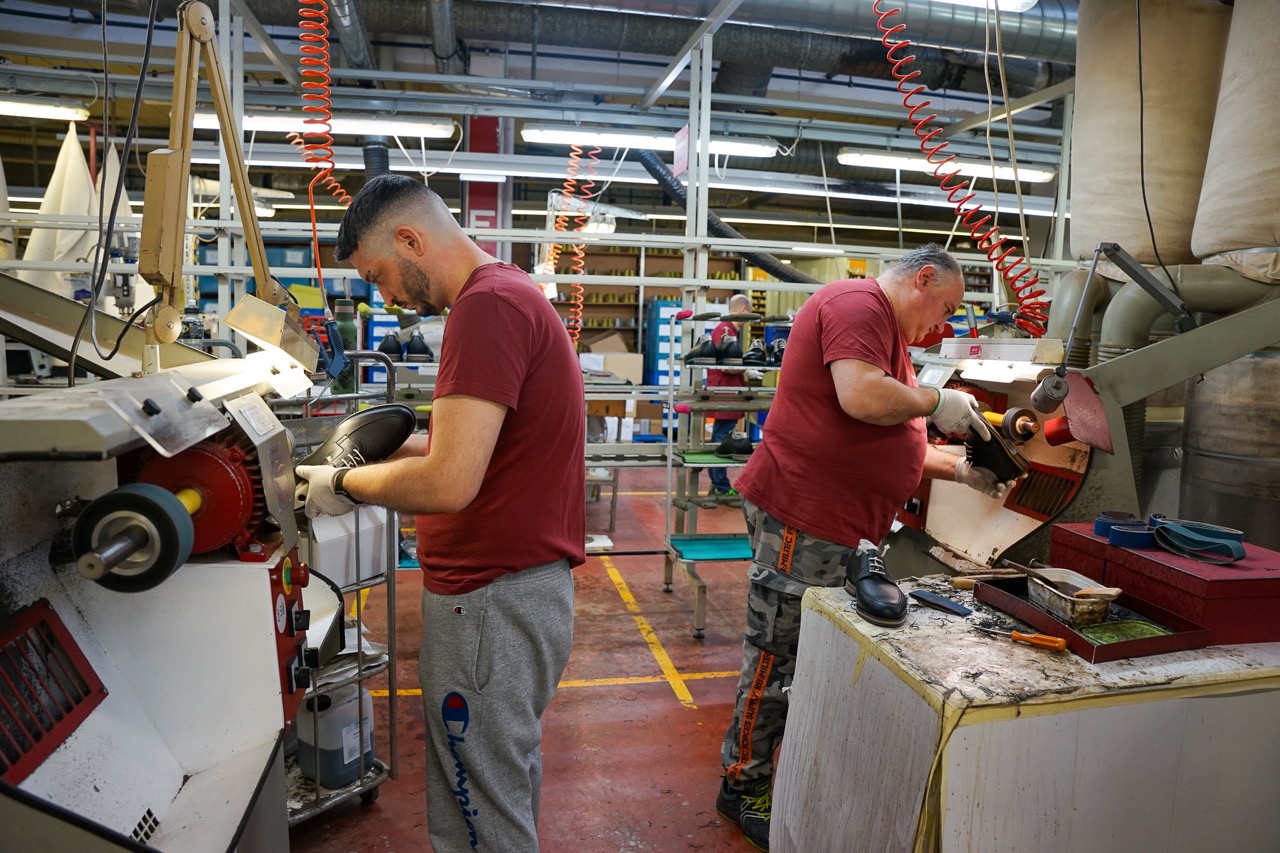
x=632, y=740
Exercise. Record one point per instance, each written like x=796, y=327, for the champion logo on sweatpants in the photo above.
x=457, y=716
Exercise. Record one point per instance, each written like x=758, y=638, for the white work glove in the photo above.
x=956, y=412
x=982, y=480
x=315, y=486
x=752, y=375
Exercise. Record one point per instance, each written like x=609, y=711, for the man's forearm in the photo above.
x=414, y=484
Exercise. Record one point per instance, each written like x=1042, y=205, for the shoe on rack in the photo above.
x=756, y=355
x=418, y=349
x=748, y=808
x=367, y=436
x=703, y=352
x=879, y=600
x=729, y=351
x=736, y=446
x=391, y=346
x=776, y=349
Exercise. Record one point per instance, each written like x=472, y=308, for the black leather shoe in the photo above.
x=391, y=346
x=756, y=355
x=878, y=599
x=737, y=446
x=729, y=351
x=776, y=349
x=367, y=436
x=703, y=352
x=418, y=349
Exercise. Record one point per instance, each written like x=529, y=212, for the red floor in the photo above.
x=632, y=740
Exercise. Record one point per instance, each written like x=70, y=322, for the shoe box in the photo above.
x=1237, y=602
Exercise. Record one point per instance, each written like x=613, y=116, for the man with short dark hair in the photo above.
x=844, y=447
x=497, y=488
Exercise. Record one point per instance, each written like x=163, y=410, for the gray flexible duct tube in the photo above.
x=377, y=156
x=770, y=264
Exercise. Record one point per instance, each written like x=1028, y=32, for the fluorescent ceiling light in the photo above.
x=611, y=137
x=870, y=160
x=1002, y=5
x=48, y=108
x=425, y=128
x=816, y=250
x=483, y=177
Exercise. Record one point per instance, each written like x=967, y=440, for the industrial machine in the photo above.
x=1070, y=426
x=153, y=637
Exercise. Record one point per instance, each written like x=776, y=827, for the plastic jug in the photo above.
x=329, y=736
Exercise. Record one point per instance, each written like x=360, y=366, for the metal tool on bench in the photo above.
x=1044, y=641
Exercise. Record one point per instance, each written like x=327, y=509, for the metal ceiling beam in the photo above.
x=267, y=44
x=718, y=16
x=1044, y=96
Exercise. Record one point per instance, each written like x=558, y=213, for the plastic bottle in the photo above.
x=345, y=313
x=329, y=736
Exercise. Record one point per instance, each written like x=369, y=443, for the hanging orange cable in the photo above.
x=570, y=190
x=1031, y=316
x=315, y=143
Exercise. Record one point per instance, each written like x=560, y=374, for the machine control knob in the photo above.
x=300, y=619
x=194, y=395
x=311, y=657
x=299, y=676
x=150, y=407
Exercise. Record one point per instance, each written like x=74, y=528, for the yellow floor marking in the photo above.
x=592, y=682
x=364, y=598
x=668, y=668
x=623, y=494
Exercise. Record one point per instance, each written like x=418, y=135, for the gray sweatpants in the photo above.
x=490, y=663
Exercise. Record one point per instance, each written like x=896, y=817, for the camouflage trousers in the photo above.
x=785, y=563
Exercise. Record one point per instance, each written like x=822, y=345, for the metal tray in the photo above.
x=1010, y=595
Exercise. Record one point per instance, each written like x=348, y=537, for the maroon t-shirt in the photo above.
x=504, y=342
x=817, y=469
x=723, y=378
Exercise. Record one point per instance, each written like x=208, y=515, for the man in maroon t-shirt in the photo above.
x=497, y=489
x=844, y=447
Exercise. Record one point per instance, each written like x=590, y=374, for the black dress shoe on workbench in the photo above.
x=736, y=446
x=729, y=351
x=703, y=351
x=776, y=351
x=878, y=599
x=367, y=436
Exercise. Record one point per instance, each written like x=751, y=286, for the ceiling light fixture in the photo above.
x=612, y=137
x=22, y=106
x=873, y=160
x=424, y=128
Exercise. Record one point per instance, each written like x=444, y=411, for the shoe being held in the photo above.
x=749, y=808
x=878, y=599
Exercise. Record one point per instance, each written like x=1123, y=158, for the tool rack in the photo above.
x=307, y=798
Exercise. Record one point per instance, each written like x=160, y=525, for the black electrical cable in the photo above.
x=130, y=133
x=1142, y=152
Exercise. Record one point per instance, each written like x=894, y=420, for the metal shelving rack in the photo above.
x=686, y=458
x=307, y=798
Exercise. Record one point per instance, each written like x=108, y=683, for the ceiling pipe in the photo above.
x=353, y=37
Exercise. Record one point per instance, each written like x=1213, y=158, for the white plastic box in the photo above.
x=337, y=539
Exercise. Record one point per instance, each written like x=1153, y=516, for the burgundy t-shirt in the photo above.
x=504, y=342
x=817, y=469
x=722, y=378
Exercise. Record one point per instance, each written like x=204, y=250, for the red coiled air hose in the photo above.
x=1031, y=315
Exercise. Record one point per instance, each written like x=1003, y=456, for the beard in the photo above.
x=417, y=289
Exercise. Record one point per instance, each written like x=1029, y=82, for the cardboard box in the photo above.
x=1238, y=602
x=607, y=342
x=627, y=366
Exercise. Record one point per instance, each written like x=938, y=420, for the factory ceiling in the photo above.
x=811, y=75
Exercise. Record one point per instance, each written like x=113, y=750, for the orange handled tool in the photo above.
x=1044, y=641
